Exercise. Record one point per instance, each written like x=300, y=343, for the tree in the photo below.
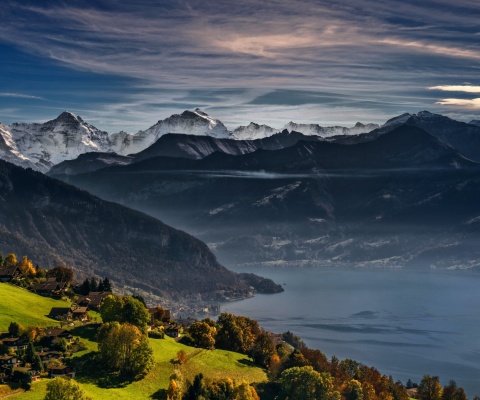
x=263, y=349
x=124, y=348
x=1, y=259
x=135, y=313
x=236, y=333
x=182, y=356
x=353, y=391
x=429, y=388
x=107, y=285
x=202, y=334
x=64, y=389
x=29, y=353
x=62, y=274
x=245, y=392
x=196, y=390
x=125, y=310
x=303, y=383
x=15, y=329
x=10, y=260
x=26, y=267
x=140, y=299
x=452, y=392
x=175, y=387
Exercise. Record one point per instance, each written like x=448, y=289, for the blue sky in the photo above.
x=125, y=65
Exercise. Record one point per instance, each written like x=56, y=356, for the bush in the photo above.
x=156, y=334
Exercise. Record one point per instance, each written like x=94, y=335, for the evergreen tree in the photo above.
x=30, y=353
x=107, y=285
x=93, y=285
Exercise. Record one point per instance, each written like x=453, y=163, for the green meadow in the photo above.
x=30, y=309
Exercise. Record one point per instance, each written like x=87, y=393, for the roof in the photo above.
x=49, y=286
x=11, y=340
x=6, y=358
x=79, y=310
x=59, y=311
x=54, y=332
x=9, y=271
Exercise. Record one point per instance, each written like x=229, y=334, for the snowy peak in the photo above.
x=195, y=122
x=329, y=131
x=253, y=131
x=475, y=122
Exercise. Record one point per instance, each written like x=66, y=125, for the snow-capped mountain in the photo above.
x=189, y=122
x=44, y=145
x=254, y=131
x=475, y=122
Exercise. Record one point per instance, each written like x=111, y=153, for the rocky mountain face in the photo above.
x=401, y=198
x=41, y=146
x=55, y=223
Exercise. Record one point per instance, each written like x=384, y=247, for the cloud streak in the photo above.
x=375, y=53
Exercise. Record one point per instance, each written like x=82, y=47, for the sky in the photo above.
x=124, y=65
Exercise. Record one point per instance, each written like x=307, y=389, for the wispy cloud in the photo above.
x=21, y=96
x=467, y=103
x=377, y=53
x=457, y=88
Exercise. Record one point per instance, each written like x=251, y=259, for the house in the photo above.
x=60, y=370
x=7, y=274
x=8, y=361
x=34, y=374
x=172, y=331
x=61, y=313
x=54, y=334
x=15, y=343
x=79, y=313
x=50, y=287
x=47, y=355
x=93, y=300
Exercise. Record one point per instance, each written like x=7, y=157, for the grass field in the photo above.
x=24, y=307
x=29, y=309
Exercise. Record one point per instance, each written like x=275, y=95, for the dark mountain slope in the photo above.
x=393, y=198
x=53, y=223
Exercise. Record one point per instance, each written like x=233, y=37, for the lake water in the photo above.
x=404, y=323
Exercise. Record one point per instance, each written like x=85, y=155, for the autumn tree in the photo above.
x=304, y=383
x=10, y=260
x=429, y=388
x=202, y=334
x=175, y=386
x=124, y=348
x=64, y=389
x=26, y=267
x=263, y=349
x=236, y=333
x=353, y=390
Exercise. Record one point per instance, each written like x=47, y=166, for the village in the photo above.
x=28, y=355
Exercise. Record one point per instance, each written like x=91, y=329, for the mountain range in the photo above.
x=405, y=193
x=41, y=146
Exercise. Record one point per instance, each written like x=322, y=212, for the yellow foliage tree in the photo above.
x=10, y=260
x=26, y=267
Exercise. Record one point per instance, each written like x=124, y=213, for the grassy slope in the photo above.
x=24, y=307
x=29, y=309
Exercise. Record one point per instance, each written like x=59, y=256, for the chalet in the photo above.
x=8, y=361
x=15, y=343
x=61, y=313
x=34, y=374
x=50, y=287
x=56, y=333
x=94, y=300
x=79, y=313
x=7, y=274
x=47, y=355
x=172, y=331
x=60, y=370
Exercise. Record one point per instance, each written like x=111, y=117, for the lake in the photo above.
x=405, y=323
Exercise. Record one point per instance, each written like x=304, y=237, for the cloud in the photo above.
x=370, y=61
x=21, y=96
x=457, y=88
x=467, y=103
